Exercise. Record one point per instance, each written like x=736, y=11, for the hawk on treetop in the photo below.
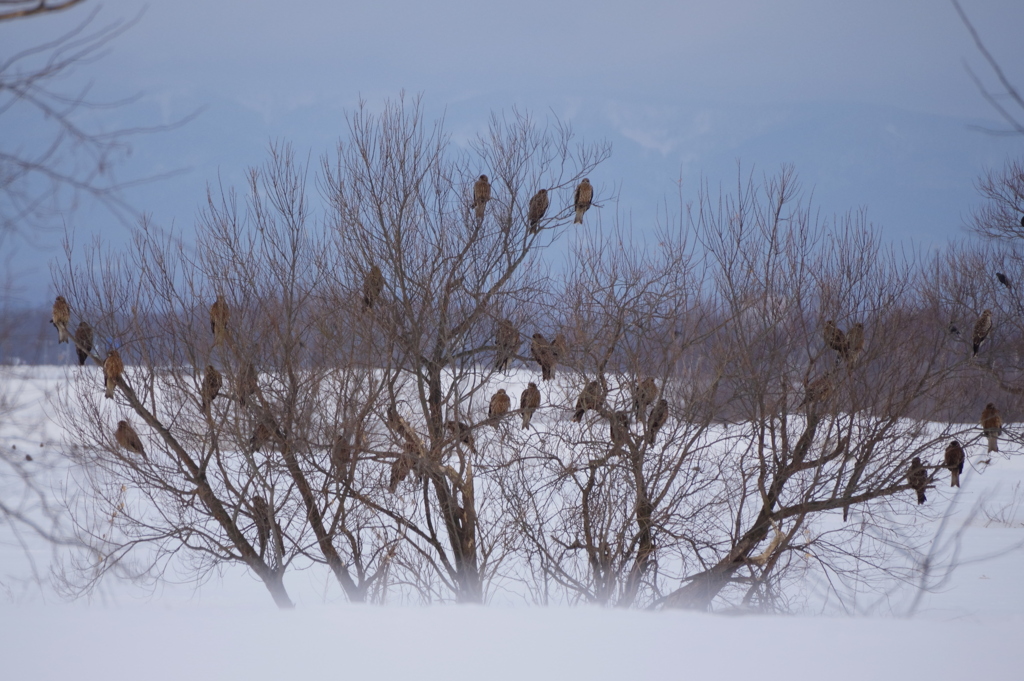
x=113, y=367
x=582, y=199
x=128, y=438
x=83, y=342
x=529, y=402
x=481, y=195
x=61, y=317
x=538, y=206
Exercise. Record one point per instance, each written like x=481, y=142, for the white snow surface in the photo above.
x=969, y=628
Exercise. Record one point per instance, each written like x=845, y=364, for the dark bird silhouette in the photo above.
x=128, y=438
x=506, y=338
x=212, y=383
x=592, y=397
x=60, y=318
x=219, y=314
x=83, y=342
x=263, y=519
x=644, y=394
x=582, y=199
x=854, y=343
x=991, y=426
x=464, y=433
x=113, y=367
x=917, y=478
x=248, y=383
x=1022, y=222
x=538, y=206
x=529, y=402
x=955, y=331
x=373, y=285
x=481, y=195
x=500, y=404
x=545, y=356
x=835, y=338
x=656, y=420
x=981, y=330
x=1003, y=279
x=954, y=461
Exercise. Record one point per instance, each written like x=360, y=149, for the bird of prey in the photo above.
x=462, y=431
x=401, y=468
x=991, y=426
x=981, y=330
x=500, y=404
x=506, y=338
x=1022, y=222
x=558, y=347
x=917, y=477
x=835, y=338
x=83, y=342
x=1003, y=279
x=266, y=430
x=656, y=420
x=619, y=426
x=954, y=461
x=128, y=438
x=248, y=383
x=581, y=200
x=341, y=453
x=219, y=319
x=644, y=394
x=113, y=367
x=61, y=317
x=854, y=343
x=481, y=195
x=818, y=390
x=263, y=518
x=373, y=285
x=212, y=383
x=545, y=356
x=529, y=402
x=538, y=206
x=592, y=397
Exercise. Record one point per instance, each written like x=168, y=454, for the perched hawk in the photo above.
x=981, y=330
x=619, y=426
x=500, y=404
x=991, y=426
x=1003, y=279
x=506, y=338
x=61, y=318
x=917, y=478
x=248, y=383
x=401, y=468
x=581, y=200
x=266, y=430
x=83, y=342
x=545, y=356
x=558, y=347
x=854, y=343
x=341, y=454
x=462, y=431
x=373, y=285
x=644, y=394
x=835, y=338
x=819, y=390
x=219, y=319
x=481, y=195
x=657, y=419
x=113, y=367
x=529, y=402
x=538, y=206
x=128, y=438
x=212, y=383
x=592, y=397
x=954, y=461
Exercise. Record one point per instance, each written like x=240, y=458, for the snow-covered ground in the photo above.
x=968, y=627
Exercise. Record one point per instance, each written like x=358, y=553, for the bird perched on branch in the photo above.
x=219, y=319
x=463, y=432
x=592, y=397
x=545, y=356
x=529, y=402
x=656, y=420
x=373, y=285
x=835, y=338
x=248, y=383
x=401, y=468
x=538, y=206
x=644, y=394
x=1003, y=279
x=819, y=390
x=506, y=338
x=60, y=318
x=128, y=438
x=582, y=199
x=854, y=343
x=981, y=330
x=113, y=367
x=83, y=342
x=954, y=461
x=212, y=383
x=991, y=426
x=917, y=478
x=619, y=430
x=481, y=195
x=500, y=404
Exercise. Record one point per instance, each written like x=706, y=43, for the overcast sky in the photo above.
x=656, y=75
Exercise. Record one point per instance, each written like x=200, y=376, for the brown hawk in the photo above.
x=835, y=338
x=463, y=432
x=917, y=478
x=401, y=467
x=619, y=427
x=500, y=404
x=506, y=338
x=538, y=206
x=83, y=342
x=341, y=454
x=373, y=285
x=819, y=390
x=954, y=461
x=545, y=356
x=248, y=383
x=854, y=342
x=212, y=383
x=592, y=397
x=559, y=347
x=657, y=419
x=582, y=199
x=991, y=426
x=61, y=317
x=529, y=402
x=644, y=394
x=266, y=430
x=128, y=438
x=219, y=319
x=113, y=367
x=982, y=327
x=481, y=195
